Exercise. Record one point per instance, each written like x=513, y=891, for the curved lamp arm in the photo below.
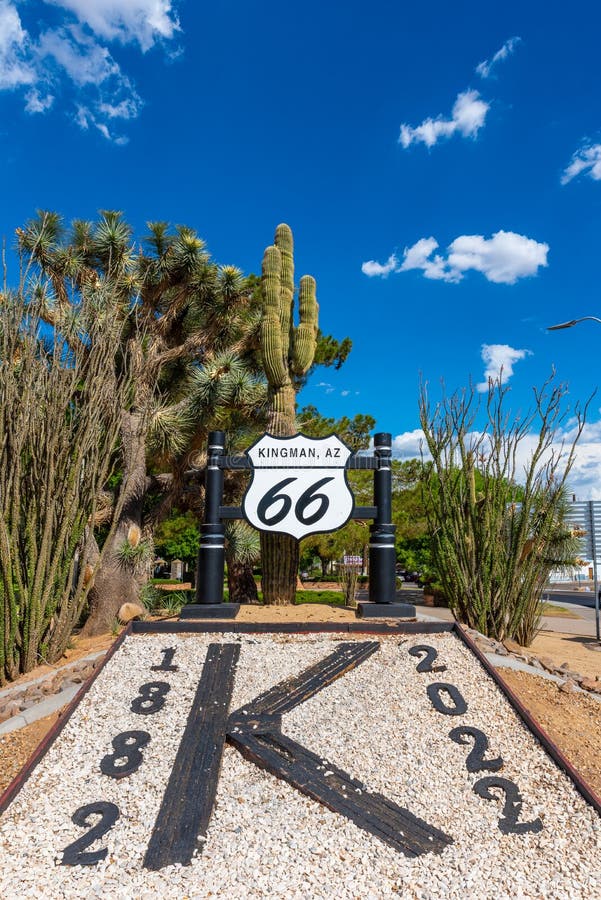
x=572, y=322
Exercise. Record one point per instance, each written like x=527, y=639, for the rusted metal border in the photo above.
x=531, y=723
x=49, y=738
x=191, y=627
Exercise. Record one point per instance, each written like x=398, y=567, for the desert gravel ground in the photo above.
x=268, y=840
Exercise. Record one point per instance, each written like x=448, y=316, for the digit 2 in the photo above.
x=475, y=761
x=508, y=823
x=165, y=666
x=435, y=691
x=430, y=654
x=127, y=747
x=74, y=855
x=151, y=698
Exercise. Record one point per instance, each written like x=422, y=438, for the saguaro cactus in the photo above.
x=288, y=351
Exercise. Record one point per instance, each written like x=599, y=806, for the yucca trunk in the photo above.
x=242, y=587
x=117, y=582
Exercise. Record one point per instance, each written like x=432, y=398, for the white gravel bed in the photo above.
x=265, y=838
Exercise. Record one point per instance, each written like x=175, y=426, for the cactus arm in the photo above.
x=276, y=369
x=285, y=244
x=305, y=335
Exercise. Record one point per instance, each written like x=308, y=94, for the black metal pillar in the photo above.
x=382, y=555
x=211, y=553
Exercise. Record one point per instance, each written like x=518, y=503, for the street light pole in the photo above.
x=591, y=504
x=572, y=322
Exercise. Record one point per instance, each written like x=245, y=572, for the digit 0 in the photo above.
x=436, y=694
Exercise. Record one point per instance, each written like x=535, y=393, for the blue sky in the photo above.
x=440, y=166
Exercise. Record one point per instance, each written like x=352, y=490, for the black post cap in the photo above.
x=383, y=439
x=216, y=440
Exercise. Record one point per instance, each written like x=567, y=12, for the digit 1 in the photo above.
x=165, y=666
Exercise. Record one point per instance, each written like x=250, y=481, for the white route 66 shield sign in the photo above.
x=298, y=485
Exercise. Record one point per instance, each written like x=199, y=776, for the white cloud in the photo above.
x=409, y=444
x=36, y=103
x=418, y=257
x=499, y=360
x=328, y=388
x=585, y=478
x=82, y=59
x=485, y=68
x=85, y=118
x=587, y=160
x=71, y=61
x=502, y=258
x=15, y=67
x=371, y=267
x=468, y=116
x=144, y=21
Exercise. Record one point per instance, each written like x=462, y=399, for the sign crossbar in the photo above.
x=297, y=504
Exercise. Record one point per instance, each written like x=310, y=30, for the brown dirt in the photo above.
x=304, y=612
x=569, y=648
x=80, y=647
x=17, y=746
x=573, y=721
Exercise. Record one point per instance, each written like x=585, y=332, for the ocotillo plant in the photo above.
x=288, y=351
x=493, y=548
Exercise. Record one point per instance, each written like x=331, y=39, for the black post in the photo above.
x=382, y=555
x=211, y=553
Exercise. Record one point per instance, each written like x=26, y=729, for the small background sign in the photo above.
x=352, y=560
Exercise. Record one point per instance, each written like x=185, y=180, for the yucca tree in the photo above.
x=189, y=328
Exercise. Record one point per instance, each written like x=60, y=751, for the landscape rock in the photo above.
x=591, y=684
x=568, y=687
x=129, y=611
x=9, y=710
x=57, y=682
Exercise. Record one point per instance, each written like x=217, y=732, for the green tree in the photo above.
x=190, y=329
x=494, y=543
x=178, y=537
x=354, y=432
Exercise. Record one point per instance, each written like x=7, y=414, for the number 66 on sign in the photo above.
x=298, y=485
